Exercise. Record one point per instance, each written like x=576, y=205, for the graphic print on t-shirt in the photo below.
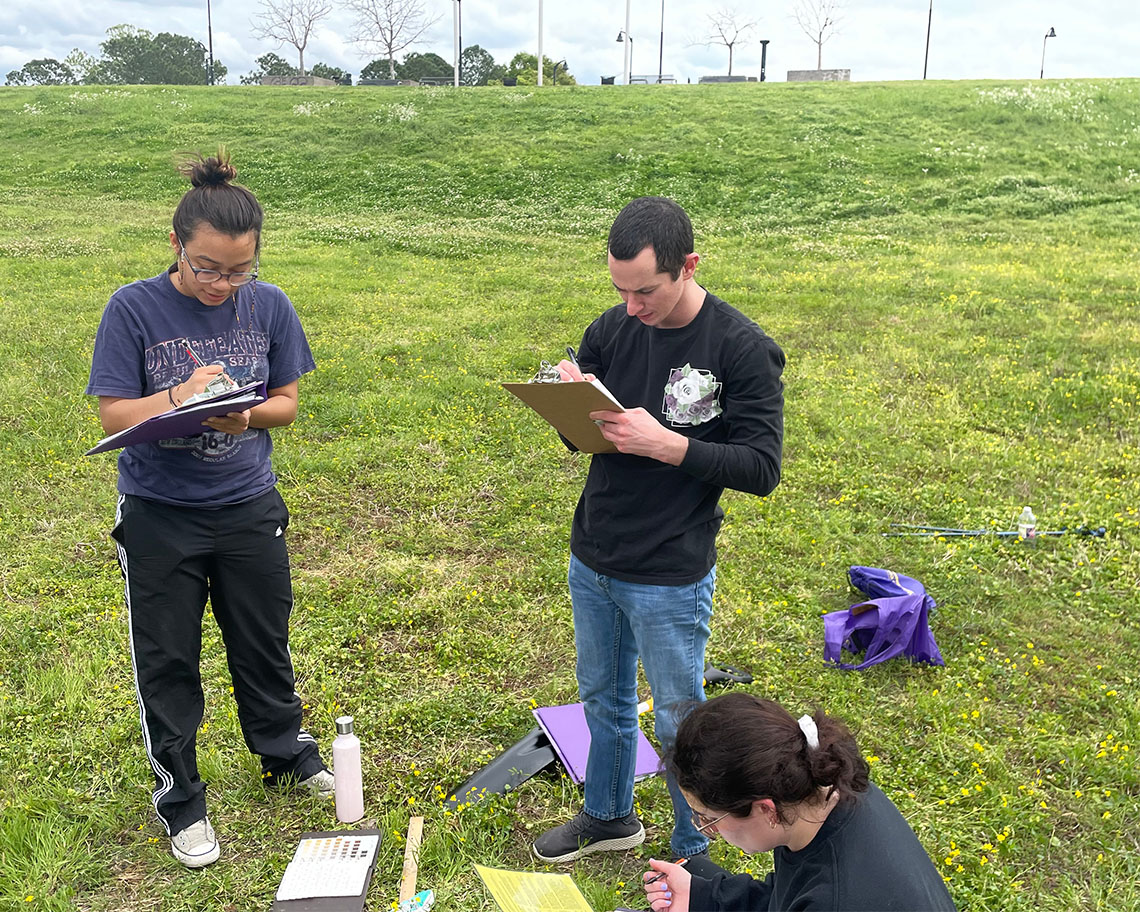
x=692, y=397
x=241, y=351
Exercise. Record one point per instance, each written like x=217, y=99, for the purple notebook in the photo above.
x=185, y=421
x=565, y=726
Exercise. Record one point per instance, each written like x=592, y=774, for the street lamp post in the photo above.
x=763, y=57
x=1052, y=33
x=661, y=49
x=623, y=35
x=628, y=48
x=458, y=42
x=561, y=63
x=540, y=43
x=929, y=19
x=210, y=39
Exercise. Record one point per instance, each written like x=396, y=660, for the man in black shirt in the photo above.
x=701, y=386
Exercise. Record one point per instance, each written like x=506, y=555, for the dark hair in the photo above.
x=737, y=748
x=214, y=199
x=657, y=222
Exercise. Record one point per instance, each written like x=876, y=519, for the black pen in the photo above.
x=680, y=861
x=573, y=357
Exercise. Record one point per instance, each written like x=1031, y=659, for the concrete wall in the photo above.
x=727, y=79
x=819, y=75
x=296, y=81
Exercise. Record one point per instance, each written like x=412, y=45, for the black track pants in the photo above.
x=173, y=559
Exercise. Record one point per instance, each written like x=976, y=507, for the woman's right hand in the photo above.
x=671, y=892
x=196, y=382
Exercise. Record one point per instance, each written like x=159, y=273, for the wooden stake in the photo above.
x=411, y=858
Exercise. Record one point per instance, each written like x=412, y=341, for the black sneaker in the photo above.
x=585, y=834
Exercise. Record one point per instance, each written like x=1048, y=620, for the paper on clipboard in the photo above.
x=184, y=421
x=567, y=406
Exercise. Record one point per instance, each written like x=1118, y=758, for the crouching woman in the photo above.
x=798, y=789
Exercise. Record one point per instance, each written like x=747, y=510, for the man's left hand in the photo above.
x=640, y=434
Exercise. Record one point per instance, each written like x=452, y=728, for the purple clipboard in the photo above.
x=566, y=728
x=185, y=421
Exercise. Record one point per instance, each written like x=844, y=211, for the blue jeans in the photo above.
x=614, y=622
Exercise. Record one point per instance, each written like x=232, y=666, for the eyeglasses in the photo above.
x=702, y=823
x=210, y=276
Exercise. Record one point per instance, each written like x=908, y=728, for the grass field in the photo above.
x=952, y=270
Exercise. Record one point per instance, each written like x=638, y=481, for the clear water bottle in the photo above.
x=349, y=788
x=1027, y=526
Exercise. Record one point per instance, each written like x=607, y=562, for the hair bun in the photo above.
x=214, y=171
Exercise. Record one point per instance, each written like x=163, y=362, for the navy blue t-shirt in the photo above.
x=139, y=351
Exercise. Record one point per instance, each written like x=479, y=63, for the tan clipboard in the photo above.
x=567, y=406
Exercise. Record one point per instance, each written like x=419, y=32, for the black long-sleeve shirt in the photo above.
x=865, y=858
x=716, y=381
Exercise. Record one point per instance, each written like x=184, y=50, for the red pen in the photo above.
x=680, y=861
x=193, y=357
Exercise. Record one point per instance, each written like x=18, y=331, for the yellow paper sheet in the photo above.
x=524, y=891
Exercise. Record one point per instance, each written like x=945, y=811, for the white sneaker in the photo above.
x=196, y=846
x=322, y=784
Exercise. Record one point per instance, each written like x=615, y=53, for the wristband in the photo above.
x=170, y=396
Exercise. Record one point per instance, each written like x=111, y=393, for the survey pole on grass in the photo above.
x=539, y=42
x=1052, y=33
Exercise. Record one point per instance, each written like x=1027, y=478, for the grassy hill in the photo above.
x=952, y=270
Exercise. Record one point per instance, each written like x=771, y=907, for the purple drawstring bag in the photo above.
x=893, y=622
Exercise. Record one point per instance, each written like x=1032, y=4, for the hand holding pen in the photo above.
x=668, y=889
x=569, y=369
x=207, y=380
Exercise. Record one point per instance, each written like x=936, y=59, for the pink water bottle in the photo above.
x=346, y=772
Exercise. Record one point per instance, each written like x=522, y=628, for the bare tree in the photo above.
x=726, y=28
x=291, y=22
x=819, y=20
x=389, y=26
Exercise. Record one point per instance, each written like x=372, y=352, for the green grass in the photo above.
x=953, y=272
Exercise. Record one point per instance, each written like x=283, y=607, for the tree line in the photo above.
x=130, y=56
x=135, y=56
x=385, y=27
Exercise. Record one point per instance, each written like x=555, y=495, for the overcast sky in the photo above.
x=876, y=39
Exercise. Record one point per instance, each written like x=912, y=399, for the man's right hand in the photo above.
x=569, y=371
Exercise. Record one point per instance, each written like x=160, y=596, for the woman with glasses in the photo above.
x=199, y=517
x=768, y=782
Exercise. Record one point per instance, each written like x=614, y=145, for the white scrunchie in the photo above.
x=811, y=733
